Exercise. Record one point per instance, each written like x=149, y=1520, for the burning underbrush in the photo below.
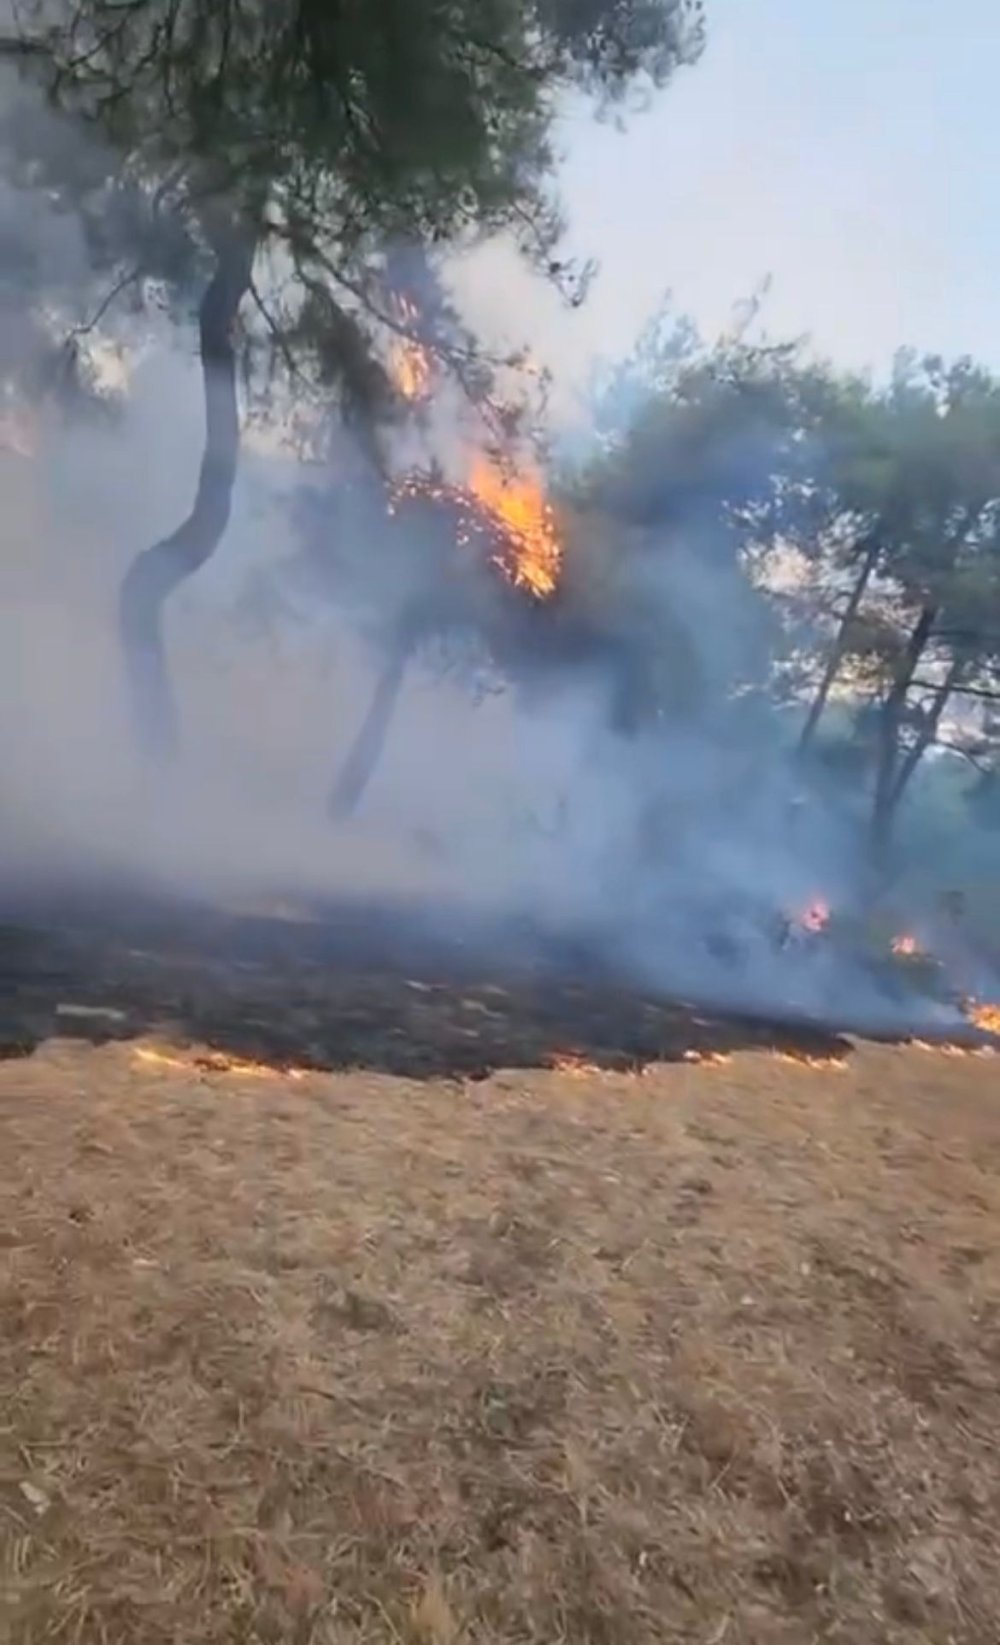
x=842, y=966
x=901, y=966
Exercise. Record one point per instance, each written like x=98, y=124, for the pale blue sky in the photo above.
x=850, y=148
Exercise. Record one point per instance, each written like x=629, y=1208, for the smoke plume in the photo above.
x=675, y=848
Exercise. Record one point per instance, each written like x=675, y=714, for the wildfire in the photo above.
x=409, y=361
x=816, y=917
x=532, y=552
x=572, y=1064
x=906, y=946
x=514, y=513
x=214, y=1062
x=529, y=552
x=985, y=1016
x=947, y=1048
x=805, y=1059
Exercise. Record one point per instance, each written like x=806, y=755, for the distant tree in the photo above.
x=886, y=498
x=229, y=138
x=912, y=479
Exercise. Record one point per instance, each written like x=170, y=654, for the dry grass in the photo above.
x=711, y=1354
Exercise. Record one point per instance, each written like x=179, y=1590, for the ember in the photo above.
x=572, y=1064
x=803, y=1059
x=512, y=513
x=409, y=361
x=905, y=946
x=514, y=506
x=816, y=917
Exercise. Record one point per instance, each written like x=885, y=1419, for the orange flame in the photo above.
x=409, y=362
x=519, y=506
x=530, y=552
x=906, y=945
x=214, y=1062
x=525, y=545
x=985, y=1016
x=572, y=1064
x=410, y=370
x=806, y=1059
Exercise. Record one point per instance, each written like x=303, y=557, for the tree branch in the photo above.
x=455, y=359
x=985, y=770
x=960, y=690
x=127, y=279
x=281, y=341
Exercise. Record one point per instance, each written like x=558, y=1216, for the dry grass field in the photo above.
x=705, y=1353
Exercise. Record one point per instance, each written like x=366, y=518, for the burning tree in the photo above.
x=486, y=570
x=246, y=150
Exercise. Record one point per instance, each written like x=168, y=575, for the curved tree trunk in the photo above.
x=157, y=571
x=367, y=748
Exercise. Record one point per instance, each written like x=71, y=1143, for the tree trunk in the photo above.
x=366, y=750
x=872, y=547
x=156, y=572
x=888, y=772
x=928, y=731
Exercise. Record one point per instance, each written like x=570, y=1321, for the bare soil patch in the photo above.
x=707, y=1353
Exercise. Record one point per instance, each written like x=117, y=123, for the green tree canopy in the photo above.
x=230, y=131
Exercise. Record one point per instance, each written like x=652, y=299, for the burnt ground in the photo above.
x=433, y=1343
x=396, y=989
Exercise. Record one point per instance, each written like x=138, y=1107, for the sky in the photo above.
x=850, y=149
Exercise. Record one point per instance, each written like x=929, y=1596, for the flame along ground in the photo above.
x=983, y=1014
x=213, y=1062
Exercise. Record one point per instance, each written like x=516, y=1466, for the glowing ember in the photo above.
x=572, y=1064
x=906, y=946
x=945, y=1048
x=532, y=549
x=409, y=361
x=214, y=1062
x=708, y=1059
x=803, y=1059
x=816, y=917
x=513, y=515
x=985, y=1016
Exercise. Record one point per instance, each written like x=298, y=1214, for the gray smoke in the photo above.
x=674, y=850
